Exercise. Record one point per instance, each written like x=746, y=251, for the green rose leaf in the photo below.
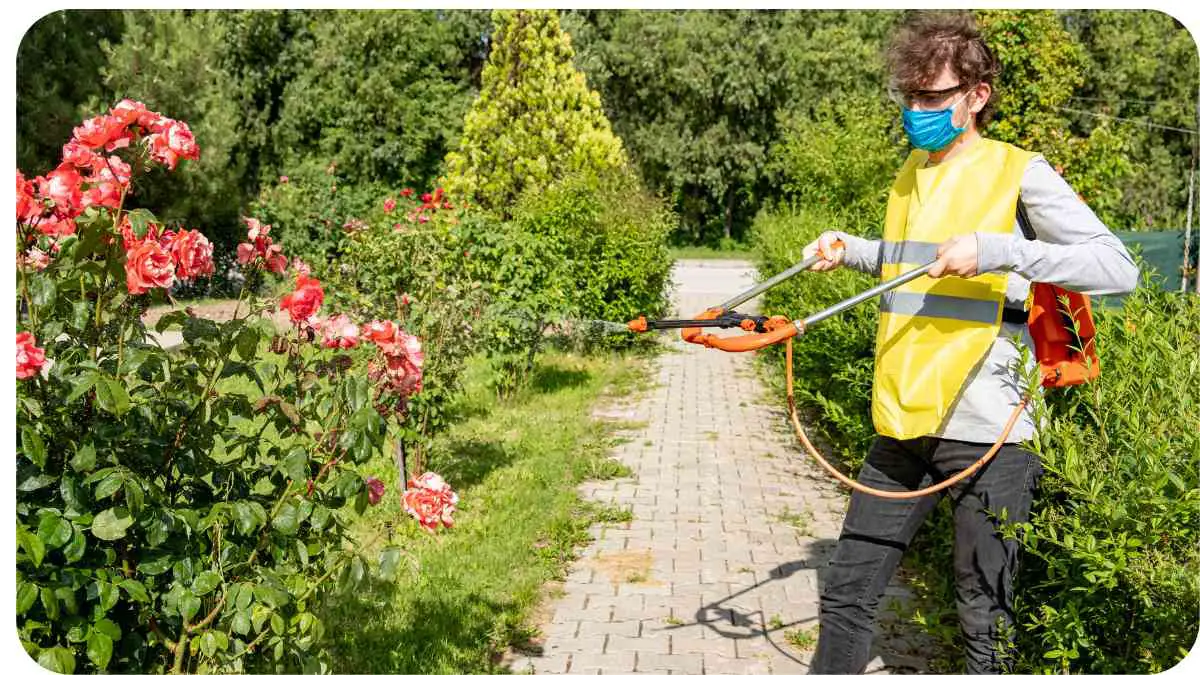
x=54, y=530
x=135, y=590
x=111, y=524
x=109, y=628
x=295, y=465
x=57, y=659
x=33, y=447
x=27, y=594
x=112, y=397
x=205, y=583
x=288, y=519
x=99, y=649
x=189, y=605
x=32, y=546
x=389, y=560
x=241, y=624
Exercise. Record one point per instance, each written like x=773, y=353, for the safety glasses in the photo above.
x=928, y=99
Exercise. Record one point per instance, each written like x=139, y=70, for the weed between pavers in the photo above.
x=804, y=639
x=801, y=521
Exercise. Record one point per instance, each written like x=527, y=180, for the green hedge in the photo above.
x=1110, y=573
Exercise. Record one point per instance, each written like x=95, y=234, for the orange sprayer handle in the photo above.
x=780, y=329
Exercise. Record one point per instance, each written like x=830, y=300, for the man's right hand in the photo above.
x=831, y=255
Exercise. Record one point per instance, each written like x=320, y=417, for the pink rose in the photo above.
x=148, y=266
x=283, y=179
x=173, y=142
x=193, y=255
x=54, y=226
x=62, y=185
x=135, y=112
x=389, y=205
x=338, y=332
x=35, y=260
x=301, y=267
x=430, y=500
x=30, y=357
x=101, y=131
x=78, y=154
x=303, y=302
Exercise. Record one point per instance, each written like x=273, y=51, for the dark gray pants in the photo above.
x=877, y=531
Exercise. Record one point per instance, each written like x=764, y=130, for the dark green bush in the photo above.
x=309, y=212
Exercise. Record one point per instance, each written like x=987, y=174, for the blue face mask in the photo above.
x=931, y=130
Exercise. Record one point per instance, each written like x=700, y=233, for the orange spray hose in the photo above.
x=855, y=485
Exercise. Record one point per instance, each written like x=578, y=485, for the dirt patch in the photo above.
x=217, y=311
x=626, y=567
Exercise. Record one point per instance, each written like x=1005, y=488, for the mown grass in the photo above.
x=729, y=251
x=470, y=592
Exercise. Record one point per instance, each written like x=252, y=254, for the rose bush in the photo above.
x=182, y=509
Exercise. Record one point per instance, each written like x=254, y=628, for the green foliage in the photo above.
x=844, y=155
x=54, y=73
x=1141, y=66
x=310, y=211
x=1042, y=68
x=414, y=266
x=698, y=95
x=535, y=119
x=1112, y=573
x=186, y=508
x=382, y=93
x=612, y=237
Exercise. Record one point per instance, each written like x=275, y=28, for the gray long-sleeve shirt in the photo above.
x=1073, y=249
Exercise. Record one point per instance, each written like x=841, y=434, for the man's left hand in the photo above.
x=958, y=256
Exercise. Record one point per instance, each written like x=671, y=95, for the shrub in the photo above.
x=311, y=207
x=535, y=119
x=410, y=256
x=180, y=509
x=1112, y=574
x=612, y=236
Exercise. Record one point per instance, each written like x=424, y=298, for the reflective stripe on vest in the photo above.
x=934, y=332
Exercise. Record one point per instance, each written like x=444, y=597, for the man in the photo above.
x=943, y=387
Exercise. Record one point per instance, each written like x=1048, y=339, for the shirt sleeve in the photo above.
x=863, y=255
x=1073, y=248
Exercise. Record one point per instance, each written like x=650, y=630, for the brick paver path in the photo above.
x=719, y=568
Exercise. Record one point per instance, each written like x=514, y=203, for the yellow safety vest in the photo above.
x=934, y=332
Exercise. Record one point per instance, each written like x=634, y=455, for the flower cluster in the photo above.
x=430, y=500
x=161, y=257
x=259, y=247
x=30, y=357
x=429, y=203
x=87, y=176
x=400, y=372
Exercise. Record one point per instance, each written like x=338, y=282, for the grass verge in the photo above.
x=471, y=592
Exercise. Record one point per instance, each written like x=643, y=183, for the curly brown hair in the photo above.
x=927, y=41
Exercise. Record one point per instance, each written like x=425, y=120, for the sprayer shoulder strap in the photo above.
x=1023, y=220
